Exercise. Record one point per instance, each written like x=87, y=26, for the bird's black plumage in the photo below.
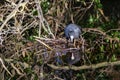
x=72, y=31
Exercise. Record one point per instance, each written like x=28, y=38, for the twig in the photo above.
x=118, y=29
x=5, y=67
x=94, y=30
x=40, y=16
x=97, y=31
x=84, y=67
x=42, y=20
x=12, y=14
x=17, y=70
x=44, y=44
x=87, y=9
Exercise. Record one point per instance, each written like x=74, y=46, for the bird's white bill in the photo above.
x=72, y=57
x=71, y=38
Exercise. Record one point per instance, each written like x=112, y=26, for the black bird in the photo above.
x=72, y=31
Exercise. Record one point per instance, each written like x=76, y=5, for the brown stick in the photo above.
x=84, y=67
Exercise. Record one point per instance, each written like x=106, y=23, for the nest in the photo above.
x=60, y=51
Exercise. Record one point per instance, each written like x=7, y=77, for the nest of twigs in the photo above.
x=48, y=56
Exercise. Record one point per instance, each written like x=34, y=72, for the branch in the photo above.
x=94, y=30
x=42, y=20
x=5, y=67
x=84, y=67
x=12, y=14
x=44, y=44
x=98, y=31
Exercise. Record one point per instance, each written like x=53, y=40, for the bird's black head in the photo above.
x=72, y=31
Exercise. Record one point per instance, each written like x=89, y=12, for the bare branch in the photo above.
x=84, y=67
x=5, y=67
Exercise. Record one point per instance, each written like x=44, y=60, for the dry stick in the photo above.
x=83, y=49
x=12, y=14
x=97, y=31
x=42, y=20
x=17, y=70
x=41, y=72
x=84, y=67
x=87, y=9
x=50, y=32
x=44, y=44
x=40, y=16
x=94, y=30
x=118, y=29
x=8, y=18
x=27, y=27
x=102, y=13
x=5, y=67
x=12, y=3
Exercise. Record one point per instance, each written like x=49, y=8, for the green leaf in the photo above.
x=102, y=48
x=113, y=58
